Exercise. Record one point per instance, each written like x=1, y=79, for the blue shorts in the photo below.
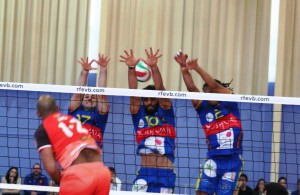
x=154, y=180
x=220, y=175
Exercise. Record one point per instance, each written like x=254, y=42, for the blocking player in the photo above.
x=223, y=130
x=61, y=138
x=154, y=125
x=92, y=110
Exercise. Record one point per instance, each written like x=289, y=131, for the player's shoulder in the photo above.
x=39, y=130
x=75, y=109
x=58, y=116
x=40, y=127
x=140, y=111
x=201, y=104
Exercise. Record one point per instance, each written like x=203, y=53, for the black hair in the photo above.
x=112, y=169
x=276, y=189
x=16, y=177
x=280, y=178
x=150, y=87
x=244, y=175
x=38, y=164
x=257, y=185
x=219, y=82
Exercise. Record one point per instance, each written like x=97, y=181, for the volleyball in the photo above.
x=143, y=72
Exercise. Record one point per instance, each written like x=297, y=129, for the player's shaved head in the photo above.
x=46, y=105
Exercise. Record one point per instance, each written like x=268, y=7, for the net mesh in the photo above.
x=270, y=132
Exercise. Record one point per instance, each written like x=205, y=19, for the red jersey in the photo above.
x=66, y=136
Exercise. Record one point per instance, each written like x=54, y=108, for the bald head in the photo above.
x=46, y=105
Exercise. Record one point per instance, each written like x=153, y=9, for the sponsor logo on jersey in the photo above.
x=221, y=124
x=141, y=123
x=209, y=117
x=162, y=131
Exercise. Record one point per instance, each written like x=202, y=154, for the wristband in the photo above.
x=131, y=67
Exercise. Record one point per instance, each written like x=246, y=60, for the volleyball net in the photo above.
x=270, y=125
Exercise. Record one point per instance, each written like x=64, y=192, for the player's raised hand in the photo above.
x=102, y=60
x=181, y=58
x=192, y=64
x=86, y=65
x=151, y=57
x=129, y=59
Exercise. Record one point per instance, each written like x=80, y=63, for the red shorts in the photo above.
x=85, y=178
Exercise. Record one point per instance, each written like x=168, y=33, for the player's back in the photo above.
x=67, y=137
x=63, y=130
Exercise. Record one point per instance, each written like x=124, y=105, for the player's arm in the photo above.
x=131, y=62
x=82, y=80
x=46, y=153
x=181, y=58
x=102, y=103
x=215, y=87
x=50, y=164
x=151, y=61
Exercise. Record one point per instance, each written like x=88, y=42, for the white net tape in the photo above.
x=56, y=189
x=149, y=93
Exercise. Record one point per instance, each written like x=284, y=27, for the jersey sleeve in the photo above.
x=41, y=138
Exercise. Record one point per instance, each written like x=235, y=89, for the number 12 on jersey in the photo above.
x=69, y=126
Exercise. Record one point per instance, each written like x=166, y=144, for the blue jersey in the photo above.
x=41, y=180
x=92, y=120
x=222, y=127
x=155, y=133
